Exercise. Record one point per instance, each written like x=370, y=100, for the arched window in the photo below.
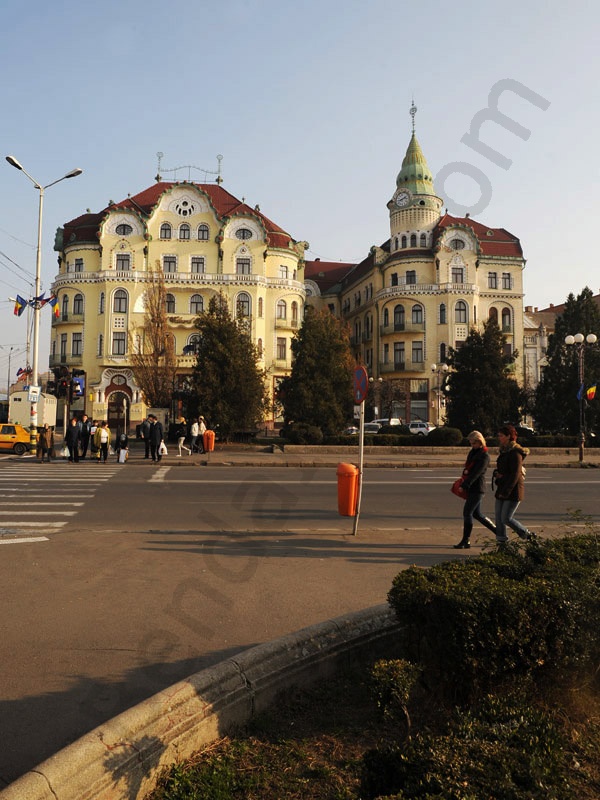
x=295, y=312
x=184, y=231
x=423, y=240
x=281, y=311
x=78, y=304
x=101, y=303
x=457, y=244
x=259, y=348
x=170, y=303
x=399, y=318
x=203, y=232
x=493, y=314
x=196, y=304
x=506, y=317
x=397, y=242
x=242, y=305
x=65, y=306
x=243, y=233
x=461, y=312
x=123, y=230
x=404, y=241
x=442, y=353
x=120, y=302
x=192, y=345
x=260, y=306
x=413, y=240
x=386, y=317
x=442, y=313
x=417, y=314
x=100, y=344
x=165, y=231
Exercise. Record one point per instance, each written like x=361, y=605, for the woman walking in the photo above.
x=102, y=440
x=181, y=434
x=510, y=485
x=473, y=482
x=47, y=442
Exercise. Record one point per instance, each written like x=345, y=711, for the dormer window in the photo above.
x=457, y=244
x=243, y=233
x=124, y=230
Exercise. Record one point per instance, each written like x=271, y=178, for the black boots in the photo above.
x=464, y=544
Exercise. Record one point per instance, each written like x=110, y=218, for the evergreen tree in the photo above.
x=556, y=407
x=229, y=387
x=481, y=392
x=319, y=390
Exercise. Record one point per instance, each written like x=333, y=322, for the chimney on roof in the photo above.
x=317, y=259
x=467, y=215
x=551, y=305
x=536, y=308
x=528, y=309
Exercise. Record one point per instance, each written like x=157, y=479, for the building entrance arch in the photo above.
x=119, y=406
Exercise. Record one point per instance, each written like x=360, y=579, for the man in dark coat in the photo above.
x=145, y=429
x=72, y=440
x=85, y=427
x=157, y=437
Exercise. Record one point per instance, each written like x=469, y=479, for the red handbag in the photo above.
x=457, y=489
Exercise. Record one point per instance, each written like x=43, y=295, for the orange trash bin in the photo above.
x=208, y=440
x=347, y=484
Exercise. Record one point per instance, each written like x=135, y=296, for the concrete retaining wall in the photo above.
x=121, y=759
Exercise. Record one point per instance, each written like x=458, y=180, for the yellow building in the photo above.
x=434, y=279
x=206, y=242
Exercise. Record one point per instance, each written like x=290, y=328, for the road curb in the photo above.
x=121, y=759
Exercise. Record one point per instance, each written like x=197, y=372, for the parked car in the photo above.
x=14, y=437
x=386, y=421
x=372, y=427
x=350, y=431
x=420, y=428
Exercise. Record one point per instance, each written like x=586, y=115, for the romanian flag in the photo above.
x=54, y=303
x=19, y=306
x=591, y=392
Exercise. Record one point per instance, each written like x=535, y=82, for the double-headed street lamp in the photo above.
x=439, y=370
x=34, y=384
x=579, y=341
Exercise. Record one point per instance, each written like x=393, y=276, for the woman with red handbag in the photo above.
x=473, y=482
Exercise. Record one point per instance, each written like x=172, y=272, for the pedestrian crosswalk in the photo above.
x=37, y=499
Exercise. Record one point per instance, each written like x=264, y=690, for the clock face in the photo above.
x=402, y=198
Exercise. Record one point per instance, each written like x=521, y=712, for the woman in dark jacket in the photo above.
x=510, y=487
x=473, y=482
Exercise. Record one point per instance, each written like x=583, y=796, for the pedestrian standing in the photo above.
x=122, y=446
x=473, y=483
x=181, y=433
x=201, y=432
x=145, y=428
x=157, y=438
x=194, y=431
x=86, y=432
x=102, y=441
x=509, y=478
x=47, y=442
x=72, y=440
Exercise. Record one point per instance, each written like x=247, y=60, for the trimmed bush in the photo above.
x=299, y=433
x=444, y=436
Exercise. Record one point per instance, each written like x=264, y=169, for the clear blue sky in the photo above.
x=308, y=103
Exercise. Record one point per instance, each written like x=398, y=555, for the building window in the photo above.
x=242, y=266
x=295, y=312
x=281, y=310
x=123, y=262
x=417, y=314
x=197, y=265
x=404, y=242
x=423, y=240
x=460, y=312
x=119, y=341
x=394, y=279
x=260, y=306
x=417, y=352
x=243, y=304
x=170, y=303
x=100, y=350
x=76, y=342
x=442, y=314
x=413, y=240
x=283, y=271
x=101, y=303
x=259, y=348
x=78, y=304
x=120, y=302
x=411, y=276
x=165, y=231
x=63, y=346
x=123, y=230
x=386, y=353
x=399, y=356
x=386, y=317
x=169, y=264
x=506, y=280
x=203, y=232
x=399, y=318
x=458, y=275
x=79, y=265
x=457, y=244
x=243, y=233
x=184, y=232
x=196, y=304
x=493, y=314
x=506, y=324
x=442, y=352
x=492, y=280
x=281, y=348
x=65, y=307
x=193, y=345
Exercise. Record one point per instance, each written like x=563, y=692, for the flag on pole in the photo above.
x=580, y=392
x=19, y=306
x=53, y=300
x=42, y=300
x=591, y=392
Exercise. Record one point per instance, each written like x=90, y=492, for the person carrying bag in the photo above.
x=472, y=483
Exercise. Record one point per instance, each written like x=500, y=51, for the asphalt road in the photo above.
x=118, y=580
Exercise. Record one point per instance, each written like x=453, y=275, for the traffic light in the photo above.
x=63, y=387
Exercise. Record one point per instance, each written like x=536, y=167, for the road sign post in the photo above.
x=361, y=389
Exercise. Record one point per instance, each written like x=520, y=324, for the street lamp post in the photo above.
x=579, y=342
x=439, y=370
x=34, y=383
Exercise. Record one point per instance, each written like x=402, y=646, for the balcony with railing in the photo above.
x=402, y=327
x=65, y=360
x=401, y=366
x=282, y=323
x=68, y=317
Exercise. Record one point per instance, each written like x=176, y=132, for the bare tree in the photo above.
x=153, y=358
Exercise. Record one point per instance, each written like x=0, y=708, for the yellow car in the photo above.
x=14, y=437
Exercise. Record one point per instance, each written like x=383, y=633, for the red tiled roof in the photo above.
x=86, y=227
x=492, y=241
x=326, y=273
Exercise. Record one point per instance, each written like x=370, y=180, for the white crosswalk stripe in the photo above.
x=37, y=500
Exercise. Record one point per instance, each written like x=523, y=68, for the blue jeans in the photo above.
x=505, y=510
x=471, y=511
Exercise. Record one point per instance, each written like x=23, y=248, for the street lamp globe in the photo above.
x=591, y=338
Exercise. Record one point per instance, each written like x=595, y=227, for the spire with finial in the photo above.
x=413, y=112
